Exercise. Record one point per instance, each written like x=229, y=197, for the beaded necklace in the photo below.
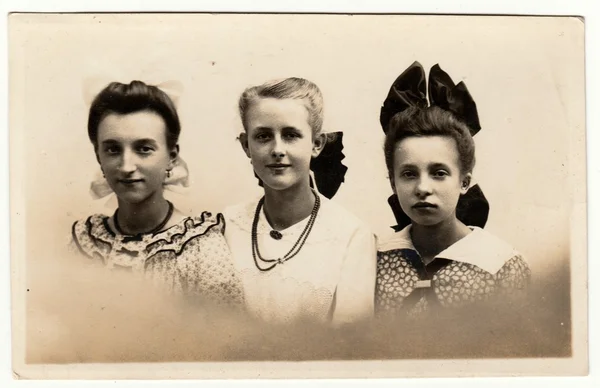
x=295, y=249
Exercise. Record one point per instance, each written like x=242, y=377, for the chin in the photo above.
x=133, y=197
x=424, y=221
x=278, y=184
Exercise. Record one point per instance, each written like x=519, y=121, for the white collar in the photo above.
x=478, y=248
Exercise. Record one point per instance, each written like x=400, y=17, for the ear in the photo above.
x=465, y=183
x=173, y=154
x=319, y=142
x=244, y=143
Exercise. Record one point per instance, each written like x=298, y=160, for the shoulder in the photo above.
x=490, y=242
x=241, y=214
x=487, y=251
x=188, y=232
x=91, y=234
x=395, y=240
x=338, y=218
x=205, y=222
x=93, y=226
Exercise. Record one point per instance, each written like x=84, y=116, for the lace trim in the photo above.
x=94, y=238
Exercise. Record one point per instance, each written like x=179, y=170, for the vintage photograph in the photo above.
x=201, y=195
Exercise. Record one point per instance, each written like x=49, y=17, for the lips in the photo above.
x=278, y=166
x=424, y=205
x=130, y=181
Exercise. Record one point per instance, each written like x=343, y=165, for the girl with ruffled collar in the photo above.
x=300, y=255
x=134, y=129
x=441, y=256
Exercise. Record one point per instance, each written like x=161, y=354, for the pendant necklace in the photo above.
x=277, y=235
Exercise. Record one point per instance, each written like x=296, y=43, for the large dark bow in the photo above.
x=409, y=90
x=329, y=172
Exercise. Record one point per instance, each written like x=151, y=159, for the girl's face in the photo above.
x=280, y=142
x=427, y=178
x=133, y=153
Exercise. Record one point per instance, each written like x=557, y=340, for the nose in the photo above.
x=128, y=162
x=278, y=150
x=424, y=187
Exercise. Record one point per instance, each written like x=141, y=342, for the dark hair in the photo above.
x=137, y=96
x=431, y=121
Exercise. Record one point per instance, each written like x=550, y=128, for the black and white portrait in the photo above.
x=297, y=195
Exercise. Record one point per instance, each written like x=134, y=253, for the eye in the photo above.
x=440, y=174
x=112, y=149
x=408, y=174
x=292, y=135
x=262, y=136
x=145, y=149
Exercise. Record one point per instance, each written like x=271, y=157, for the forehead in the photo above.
x=132, y=126
x=423, y=151
x=274, y=111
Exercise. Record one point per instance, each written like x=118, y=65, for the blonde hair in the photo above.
x=293, y=88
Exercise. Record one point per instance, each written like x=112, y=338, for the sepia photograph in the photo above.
x=271, y=195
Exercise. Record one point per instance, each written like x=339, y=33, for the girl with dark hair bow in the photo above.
x=134, y=129
x=439, y=255
x=300, y=255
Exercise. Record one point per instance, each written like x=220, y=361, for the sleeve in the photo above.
x=207, y=267
x=355, y=293
x=514, y=277
x=73, y=242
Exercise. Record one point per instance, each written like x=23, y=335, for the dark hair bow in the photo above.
x=328, y=169
x=410, y=90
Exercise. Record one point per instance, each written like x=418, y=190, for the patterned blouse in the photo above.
x=471, y=270
x=190, y=257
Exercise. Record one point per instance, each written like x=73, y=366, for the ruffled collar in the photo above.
x=99, y=230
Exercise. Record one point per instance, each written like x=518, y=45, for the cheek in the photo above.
x=401, y=189
x=256, y=149
x=108, y=164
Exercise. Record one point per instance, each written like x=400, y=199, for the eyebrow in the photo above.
x=439, y=165
x=109, y=141
x=137, y=141
x=151, y=141
x=408, y=165
x=432, y=165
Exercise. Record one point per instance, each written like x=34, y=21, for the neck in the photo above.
x=284, y=208
x=141, y=217
x=431, y=240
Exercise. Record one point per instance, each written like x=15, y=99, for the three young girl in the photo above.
x=293, y=254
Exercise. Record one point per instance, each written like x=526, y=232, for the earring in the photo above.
x=168, y=173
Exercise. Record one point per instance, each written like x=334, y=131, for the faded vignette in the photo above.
x=525, y=73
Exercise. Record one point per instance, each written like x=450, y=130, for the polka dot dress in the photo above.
x=405, y=284
x=191, y=257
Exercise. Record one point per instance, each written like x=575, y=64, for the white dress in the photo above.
x=331, y=279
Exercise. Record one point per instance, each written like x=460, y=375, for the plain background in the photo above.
x=536, y=199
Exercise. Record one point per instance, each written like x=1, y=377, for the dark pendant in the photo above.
x=276, y=235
